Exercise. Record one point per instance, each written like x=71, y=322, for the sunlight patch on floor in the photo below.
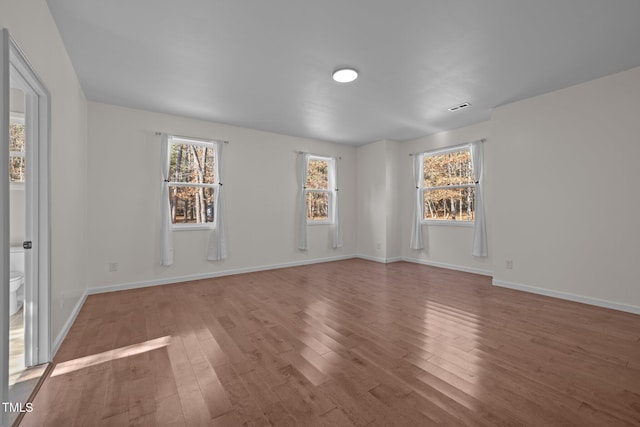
x=119, y=353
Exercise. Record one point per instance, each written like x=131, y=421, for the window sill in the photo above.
x=319, y=223
x=190, y=227
x=450, y=223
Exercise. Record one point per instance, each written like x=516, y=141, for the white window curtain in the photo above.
x=166, y=237
x=337, y=228
x=218, y=240
x=479, y=225
x=416, y=223
x=303, y=240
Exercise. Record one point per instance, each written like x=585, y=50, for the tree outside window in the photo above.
x=318, y=189
x=17, y=164
x=449, y=186
x=192, y=186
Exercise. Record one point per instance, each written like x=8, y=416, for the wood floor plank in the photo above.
x=244, y=405
x=117, y=420
x=169, y=412
x=92, y=398
x=229, y=419
x=347, y=343
x=212, y=390
x=358, y=405
x=418, y=410
x=116, y=399
x=142, y=402
x=194, y=407
x=269, y=403
x=164, y=381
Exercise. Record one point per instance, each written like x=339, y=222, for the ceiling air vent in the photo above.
x=460, y=106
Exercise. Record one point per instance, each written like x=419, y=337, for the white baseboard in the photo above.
x=449, y=266
x=67, y=325
x=568, y=296
x=378, y=259
x=189, y=278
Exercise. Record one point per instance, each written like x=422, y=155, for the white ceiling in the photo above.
x=267, y=64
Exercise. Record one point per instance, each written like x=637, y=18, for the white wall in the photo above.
x=31, y=25
x=564, y=197
x=394, y=238
x=261, y=191
x=445, y=245
x=371, y=196
x=378, y=237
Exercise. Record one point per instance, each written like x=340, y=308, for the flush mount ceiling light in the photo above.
x=345, y=74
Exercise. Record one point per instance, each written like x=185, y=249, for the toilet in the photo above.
x=15, y=301
x=16, y=279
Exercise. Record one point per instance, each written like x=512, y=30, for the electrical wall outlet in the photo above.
x=113, y=266
x=508, y=264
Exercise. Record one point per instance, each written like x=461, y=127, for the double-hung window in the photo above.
x=449, y=187
x=320, y=190
x=192, y=182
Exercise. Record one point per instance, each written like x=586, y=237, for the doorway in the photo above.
x=24, y=187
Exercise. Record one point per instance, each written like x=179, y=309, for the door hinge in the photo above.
x=27, y=244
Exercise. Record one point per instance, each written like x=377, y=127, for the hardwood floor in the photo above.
x=339, y=344
x=16, y=346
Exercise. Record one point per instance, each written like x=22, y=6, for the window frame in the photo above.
x=330, y=191
x=184, y=140
x=423, y=189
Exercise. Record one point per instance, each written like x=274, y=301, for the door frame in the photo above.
x=37, y=122
x=5, y=92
